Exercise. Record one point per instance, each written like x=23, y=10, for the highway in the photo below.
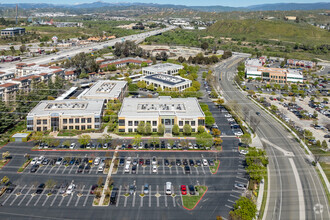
x=295, y=190
x=86, y=49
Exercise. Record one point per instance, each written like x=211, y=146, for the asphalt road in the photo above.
x=295, y=188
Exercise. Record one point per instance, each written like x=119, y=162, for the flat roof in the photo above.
x=105, y=89
x=21, y=135
x=163, y=67
x=13, y=29
x=166, y=79
x=163, y=105
x=67, y=107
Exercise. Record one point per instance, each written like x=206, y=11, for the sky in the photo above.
x=233, y=3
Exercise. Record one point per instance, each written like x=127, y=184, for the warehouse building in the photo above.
x=167, y=82
x=162, y=110
x=68, y=114
x=162, y=68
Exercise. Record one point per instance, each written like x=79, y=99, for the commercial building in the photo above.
x=277, y=75
x=162, y=68
x=167, y=81
x=162, y=110
x=68, y=114
x=24, y=69
x=12, y=31
x=106, y=89
x=124, y=62
x=301, y=63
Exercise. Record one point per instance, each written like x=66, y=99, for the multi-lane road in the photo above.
x=88, y=48
x=295, y=190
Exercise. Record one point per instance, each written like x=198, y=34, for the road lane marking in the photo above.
x=57, y=169
x=237, y=197
x=238, y=177
x=87, y=195
x=301, y=201
x=72, y=166
x=170, y=170
x=63, y=197
x=176, y=167
x=157, y=196
x=82, y=190
x=45, y=168
x=29, y=200
x=64, y=169
x=285, y=152
x=149, y=196
x=141, y=201
x=12, y=193
x=51, y=169
x=203, y=169
x=163, y=169
x=47, y=197
x=133, y=203
x=165, y=196
x=118, y=196
x=196, y=168
x=38, y=199
x=144, y=169
x=229, y=206
x=230, y=201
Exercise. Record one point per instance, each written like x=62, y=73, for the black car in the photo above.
x=178, y=162
x=258, y=113
x=185, y=162
x=40, y=188
x=147, y=161
x=94, y=187
x=78, y=161
x=191, y=189
x=187, y=170
x=80, y=168
x=87, y=168
x=113, y=197
x=146, y=146
x=10, y=187
x=34, y=168
x=243, y=145
x=166, y=162
x=211, y=162
x=191, y=163
x=85, y=160
x=157, y=146
x=53, y=161
x=198, y=163
x=134, y=169
x=121, y=162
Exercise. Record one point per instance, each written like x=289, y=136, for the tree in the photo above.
x=100, y=181
x=216, y=132
x=148, y=129
x=84, y=139
x=246, y=138
x=161, y=129
x=201, y=129
x=204, y=139
x=141, y=127
x=4, y=179
x=5, y=155
x=244, y=209
x=226, y=54
x=12, y=49
x=273, y=108
x=324, y=144
x=256, y=172
x=141, y=84
x=220, y=101
x=187, y=129
x=66, y=143
x=204, y=45
x=137, y=140
x=218, y=141
x=209, y=121
x=196, y=85
x=50, y=183
x=144, y=64
x=175, y=129
x=37, y=136
x=150, y=87
x=22, y=48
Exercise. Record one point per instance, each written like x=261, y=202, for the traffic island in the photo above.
x=190, y=202
x=26, y=163
x=214, y=169
x=3, y=163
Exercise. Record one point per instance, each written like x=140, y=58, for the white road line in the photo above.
x=38, y=199
x=302, y=215
x=170, y=170
x=12, y=193
x=238, y=177
x=57, y=169
x=239, y=192
x=173, y=201
x=239, y=182
x=149, y=196
x=123, y=171
x=58, y=192
x=70, y=200
x=45, y=168
x=238, y=173
x=176, y=167
x=29, y=201
x=133, y=203
x=203, y=169
x=61, y=200
x=241, y=166
x=144, y=169
x=241, y=170
x=285, y=152
x=87, y=195
x=125, y=202
x=72, y=166
x=157, y=197
x=12, y=202
x=236, y=197
x=64, y=169
x=82, y=190
x=165, y=196
x=118, y=196
x=230, y=201
x=197, y=170
x=191, y=170
x=137, y=169
x=150, y=169
x=90, y=170
x=182, y=170
x=25, y=195
x=141, y=201
x=47, y=197
x=229, y=206
x=163, y=169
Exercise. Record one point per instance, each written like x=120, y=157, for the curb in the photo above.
x=211, y=151
x=217, y=169
x=197, y=202
x=5, y=164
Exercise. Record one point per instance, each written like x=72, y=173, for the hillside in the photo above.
x=278, y=30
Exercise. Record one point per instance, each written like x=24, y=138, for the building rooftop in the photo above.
x=13, y=29
x=166, y=79
x=163, y=105
x=67, y=107
x=162, y=67
x=109, y=89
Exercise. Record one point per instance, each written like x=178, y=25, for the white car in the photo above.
x=97, y=161
x=154, y=161
x=73, y=145
x=101, y=167
x=70, y=189
x=244, y=152
x=141, y=145
x=40, y=159
x=34, y=161
x=128, y=160
x=205, y=163
x=230, y=119
x=228, y=115
x=169, y=146
x=238, y=133
x=154, y=169
x=240, y=186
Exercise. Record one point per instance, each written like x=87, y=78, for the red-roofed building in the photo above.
x=9, y=91
x=70, y=75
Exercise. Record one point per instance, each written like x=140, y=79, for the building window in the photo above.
x=121, y=122
x=76, y=127
x=29, y=122
x=130, y=130
x=154, y=123
x=76, y=120
x=44, y=121
x=71, y=120
x=149, y=122
x=192, y=123
x=130, y=123
x=154, y=130
x=38, y=122
x=89, y=120
x=181, y=130
x=180, y=123
x=200, y=122
x=121, y=130
x=83, y=120
x=97, y=126
x=83, y=127
x=70, y=127
x=172, y=121
x=38, y=128
x=65, y=127
x=136, y=123
x=65, y=121
x=135, y=130
x=186, y=122
x=193, y=130
x=45, y=129
x=163, y=121
x=97, y=120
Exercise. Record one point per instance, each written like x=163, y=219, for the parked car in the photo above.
x=34, y=161
x=183, y=190
x=198, y=163
x=34, y=168
x=73, y=146
x=185, y=162
x=97, y=161
x=147, y=161
x=205, y=163
x=113, y=196
x=146, y=188
x=166, y=162
x=40, y=188
x=211, y=162
x=132, y=189
x=154, y=168
x=243, y=152
x=191, y=189
x=121, y=162
x=154, y=160
x=87, y=168
x=93, y=189
x=141, y=161
x=187, y=170
x=40, y=159
x=100, y=167
x=168, y=188
x=134, y=169
x=240, y=186
x=59, y=161
x=178, y=162
x=80, y=168
x=45, y=161
x=70, y=189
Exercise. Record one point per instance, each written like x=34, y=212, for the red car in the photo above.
x=141, y=161
x=183, y=190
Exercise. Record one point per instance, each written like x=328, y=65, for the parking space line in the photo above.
x=234, y=196
x=97, y=170
x=149, y=196
x=45, y=168
x=71, y=169
x=241, y=166
x=38, y=199
x=29, y=200
x=203, y=169
x=170, y=170
x=230, y=201
x=238, y=173
x=182, y=170
x=196, y=168
x=61, y=200
x=58, y=192
x=87, y=195
x=47, y=197
x=133, y=203
x=82, y=190
x=165, y=196
x=150, y=169
x=163, y=169
x=191, y=172
x=173, y=197
x=141, y=201
x=137, y=168
x=157, y=196
x=229, y=206
x=58, y=169
x=241, y=169
x=144, y=169
x=12, y=202
x=123, y=171
x=125, y=202
x=12, y=193
x=70, y=200
x=64, y=169
x=176, y=167
x=90, y=170
x=238, y=177
x=118, y=196
x=25, y=195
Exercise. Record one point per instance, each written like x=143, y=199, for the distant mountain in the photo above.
x=290, y=6
x=215, y=8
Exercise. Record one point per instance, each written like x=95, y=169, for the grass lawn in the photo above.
x=214, y=168
x=26, y=163
x=190, y=201
x=3, y=163
x=326, y=169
